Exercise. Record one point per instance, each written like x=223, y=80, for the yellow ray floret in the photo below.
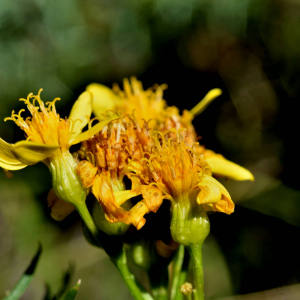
x=221, y=166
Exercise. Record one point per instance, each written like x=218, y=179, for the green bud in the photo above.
x=140, y=251
x=189, y=222
x=112, y=229
x=66, y=183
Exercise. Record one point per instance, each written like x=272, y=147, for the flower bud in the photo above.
x=140, y=252
x=66, y=183
x=60, y=209
x=189, y=223
x=186, y=289
x=111, y=229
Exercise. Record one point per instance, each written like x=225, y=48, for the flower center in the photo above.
x=45, y=125
x=174, y=166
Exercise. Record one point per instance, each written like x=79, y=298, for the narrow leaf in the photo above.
x=73, y=291
x=21, y=286
x=65, y=281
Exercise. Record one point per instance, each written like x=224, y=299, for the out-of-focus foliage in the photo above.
x=249, y=48
x=20, y=287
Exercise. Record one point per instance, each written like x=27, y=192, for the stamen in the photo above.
x=39, y=93
x=73, y=124
x=26, y=101
x=51, y=104
x=19, y=114
x=135, y=122
x=12, y=117
x=91, y=122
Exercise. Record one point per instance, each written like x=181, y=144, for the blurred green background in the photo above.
x=248, y=48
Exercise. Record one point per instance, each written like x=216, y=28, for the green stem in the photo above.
x=189, y=297
x=195, y=251
x=159, y=278
x=88, y=220
x=22, y=284
x=178, y=261
x=120, y=261
x=118, y=257
x=182, y=274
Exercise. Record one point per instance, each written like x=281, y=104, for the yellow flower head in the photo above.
x=180, y=174
x=45, y=126
x=170, y=170
x=48, y=139
x=47, y=135
x=148, y=105
x=104, y=158
x=182, y=177
x=110, y=149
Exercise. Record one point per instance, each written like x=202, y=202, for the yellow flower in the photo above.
x=146, y=105
x=170, y=170
x=48, y=139
x=149, y=105
x=179, y=173
x=104, y=158
x=184, y=178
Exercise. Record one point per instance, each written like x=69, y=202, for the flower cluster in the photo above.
x=141, y=139
x=148, y=142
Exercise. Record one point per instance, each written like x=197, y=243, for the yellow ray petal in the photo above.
x=210, y=96
x=224, y=167
x=212, y=192
x=95, y=129
x=81, y=110
x=103, y=191
x=6, y=154
x=60, y=209
x=7, y=158
x=123, y=196
x=104, y=98
x=30, y=153
x=12, y=167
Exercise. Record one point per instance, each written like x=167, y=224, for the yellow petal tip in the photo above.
x=224, y=167
x=201, y=106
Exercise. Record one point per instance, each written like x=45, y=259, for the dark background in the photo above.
x=248, y=48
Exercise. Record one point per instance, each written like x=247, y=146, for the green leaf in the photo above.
x=73, y=291
x=21, y=286
x=65, y=281
x=48, y=293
